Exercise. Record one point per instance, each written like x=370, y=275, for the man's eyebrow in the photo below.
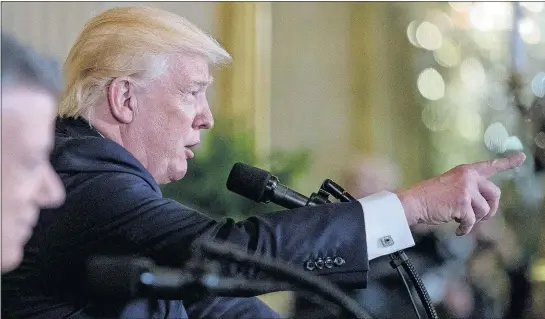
x=203, y=82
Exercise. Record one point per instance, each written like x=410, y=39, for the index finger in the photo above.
x=489, y=168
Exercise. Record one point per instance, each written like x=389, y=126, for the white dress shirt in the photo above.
x=386, y=226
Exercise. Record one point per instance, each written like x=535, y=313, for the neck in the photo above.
x=107, y=129
x=106, y=125
x=120, y=133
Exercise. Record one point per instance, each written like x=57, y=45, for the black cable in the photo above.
x=409, y=291
x=419, y=286
x=398, y=259
x=312, y=283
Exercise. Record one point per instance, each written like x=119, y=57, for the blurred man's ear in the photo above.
x=122, y=100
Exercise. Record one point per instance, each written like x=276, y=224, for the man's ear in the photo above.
x=122, y=100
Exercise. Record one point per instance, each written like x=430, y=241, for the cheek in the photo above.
x=19, y=187
x=180, y=126
x=17, y=182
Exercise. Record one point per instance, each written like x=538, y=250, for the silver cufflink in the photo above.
x=387, y=241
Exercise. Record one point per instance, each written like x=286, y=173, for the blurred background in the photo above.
x=375, y=96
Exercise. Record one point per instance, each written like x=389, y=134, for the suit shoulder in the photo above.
x=95, y=155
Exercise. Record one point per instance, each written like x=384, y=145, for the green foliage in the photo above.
x=203, y=188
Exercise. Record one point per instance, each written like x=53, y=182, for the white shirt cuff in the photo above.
x=386, y=226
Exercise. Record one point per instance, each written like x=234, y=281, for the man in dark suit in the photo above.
x=30, y=88
x=133, y=109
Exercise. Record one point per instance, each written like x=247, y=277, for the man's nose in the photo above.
x=204, y=119
x=52, y=193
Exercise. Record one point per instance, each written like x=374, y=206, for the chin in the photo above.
x=171, y=177
x=163, y=181
x=179, y=175
x=174, y=171
x=178, y=170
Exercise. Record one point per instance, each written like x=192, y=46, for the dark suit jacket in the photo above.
x=114, y=206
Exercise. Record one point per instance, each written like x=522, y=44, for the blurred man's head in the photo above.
x=139, y=75
x=30, y=85
x=366, y=175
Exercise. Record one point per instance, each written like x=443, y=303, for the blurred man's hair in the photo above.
x=22, y=65
x=128, y=41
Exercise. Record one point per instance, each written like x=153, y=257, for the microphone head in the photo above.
x=248, y=181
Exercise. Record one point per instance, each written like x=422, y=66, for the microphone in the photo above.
x=133, y=277
x=261, y=186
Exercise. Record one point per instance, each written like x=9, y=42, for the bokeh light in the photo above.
x=489, y=16
x=512, y=143
x=529, y=31
x=431, y=84
x=538, y=84
x=442, y=20
x=533, y=6
x=467, y=82
x=411, y=33
x=448, y=55
x=428, y=36
x=480, y=19
x=495, y=136
x=540, y=140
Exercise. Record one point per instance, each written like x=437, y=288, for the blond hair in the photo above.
x=132, y=41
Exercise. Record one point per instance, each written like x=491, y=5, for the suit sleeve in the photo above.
x=127, y=216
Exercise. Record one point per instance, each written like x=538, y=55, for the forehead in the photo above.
x=27, y=118
x=190, y=69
